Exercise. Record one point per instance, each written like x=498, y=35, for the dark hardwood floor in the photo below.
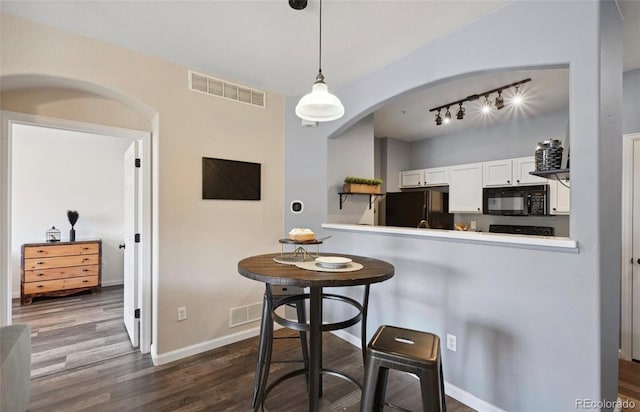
x=83, y=361
x=629, y=383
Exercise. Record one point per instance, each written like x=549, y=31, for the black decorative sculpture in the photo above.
x=73, y=218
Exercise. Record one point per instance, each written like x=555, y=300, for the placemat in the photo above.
x=351, y=267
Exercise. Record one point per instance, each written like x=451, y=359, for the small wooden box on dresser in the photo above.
x=60, y=269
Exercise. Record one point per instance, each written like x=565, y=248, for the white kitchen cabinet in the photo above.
x=412, y=178
x=436, y=176
x=497, y=173
x=521, y=168
x=559, y=197
x=465, y=188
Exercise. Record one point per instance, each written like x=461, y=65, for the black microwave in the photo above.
x=516, y=201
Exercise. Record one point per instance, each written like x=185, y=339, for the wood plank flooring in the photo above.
x=83, y=361
x=629, y=383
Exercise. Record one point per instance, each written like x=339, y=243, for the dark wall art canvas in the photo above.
x=230, y=179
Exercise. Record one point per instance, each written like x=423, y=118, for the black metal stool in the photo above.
x=408, y=351
x=272, y=297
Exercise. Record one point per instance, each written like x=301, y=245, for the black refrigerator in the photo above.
x=407, y=209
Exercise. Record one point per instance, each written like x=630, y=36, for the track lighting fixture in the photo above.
x=438, y=118
x=486, y=103
x=517, y=97
x=460, y=114
x=499, y=100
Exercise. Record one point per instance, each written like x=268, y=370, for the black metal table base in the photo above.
x=314, y=329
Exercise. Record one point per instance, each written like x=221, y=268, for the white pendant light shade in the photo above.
x=319, y=105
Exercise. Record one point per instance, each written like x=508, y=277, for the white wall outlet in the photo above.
x=473, y=225
x=182, y=313
x=451, y=342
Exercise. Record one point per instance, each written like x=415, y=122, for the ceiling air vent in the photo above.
x=217, y=87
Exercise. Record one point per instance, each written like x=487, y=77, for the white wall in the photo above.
x=57, y=170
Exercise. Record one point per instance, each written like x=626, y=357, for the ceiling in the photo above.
x=268, y=45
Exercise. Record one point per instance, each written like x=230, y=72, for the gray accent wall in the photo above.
x=536, y=330
x=631, y=102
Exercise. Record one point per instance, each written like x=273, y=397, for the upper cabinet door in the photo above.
x=465, y=188
x=412, y=178
x=521, y=168
x=559, y=197
x=437, y=176
x=497, y=173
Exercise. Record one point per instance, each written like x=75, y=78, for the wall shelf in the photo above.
x=555, y=174
x=372, y=197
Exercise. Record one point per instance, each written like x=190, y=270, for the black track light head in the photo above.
x=499, y=100
x=438, y=119
x=460, y=114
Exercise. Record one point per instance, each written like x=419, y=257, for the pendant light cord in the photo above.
x=320, y=42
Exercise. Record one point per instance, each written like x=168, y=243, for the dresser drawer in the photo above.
x=61, y=250
x=60, y=273
x=62, y=261
x=60, y=284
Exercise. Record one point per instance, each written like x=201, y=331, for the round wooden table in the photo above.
x=263, y=269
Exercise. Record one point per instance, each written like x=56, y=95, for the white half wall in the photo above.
x=56, y=170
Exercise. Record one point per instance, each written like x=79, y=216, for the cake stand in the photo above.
x=300, y=252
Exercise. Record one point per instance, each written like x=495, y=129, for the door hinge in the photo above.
x=136, y=313
x=137, y=162
x=137, y=238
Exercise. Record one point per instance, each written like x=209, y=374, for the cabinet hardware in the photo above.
x=40, y=263
x=509, y=181
x=40, y=286
x=517, y=181
x=40, y=274
x=85, y=281
x=85, y=270
x=639, y=261
x=41, y=251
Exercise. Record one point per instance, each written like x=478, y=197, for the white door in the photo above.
x=131, y=247
x=465, y=188
x=635, y=352
x=497, y=173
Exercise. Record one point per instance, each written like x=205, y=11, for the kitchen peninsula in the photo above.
x=560, y=244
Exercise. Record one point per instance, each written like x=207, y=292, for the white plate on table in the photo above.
x=333, y=262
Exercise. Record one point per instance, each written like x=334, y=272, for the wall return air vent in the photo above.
x=217, y=87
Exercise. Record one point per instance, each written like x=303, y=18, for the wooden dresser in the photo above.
x=60, y=269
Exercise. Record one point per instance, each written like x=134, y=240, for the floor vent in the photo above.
x=202, y=83
x=245, y=314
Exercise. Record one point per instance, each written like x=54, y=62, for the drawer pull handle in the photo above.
x=39, y=286
x=40, y=263
x=40, y=251
x=85, y=270
x=40, y=274
x=85, y=248
x=85, y=281
x=85, y=259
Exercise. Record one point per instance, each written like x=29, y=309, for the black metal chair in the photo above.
x=272, y=296
x=404, y=350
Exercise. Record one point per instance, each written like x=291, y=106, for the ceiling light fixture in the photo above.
x=319, y=105
x=517, y=97
x=447, y=116
x=438, y=118
x=499, y=100
x=460, y=114
x=486, y=104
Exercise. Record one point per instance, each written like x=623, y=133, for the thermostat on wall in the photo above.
x=296, y=206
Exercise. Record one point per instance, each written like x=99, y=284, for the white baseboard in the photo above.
x=164, y=358
x=451, y=390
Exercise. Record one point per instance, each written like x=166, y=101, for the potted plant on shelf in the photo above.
x=361, y=185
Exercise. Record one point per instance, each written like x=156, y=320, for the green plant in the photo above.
x=362, y=181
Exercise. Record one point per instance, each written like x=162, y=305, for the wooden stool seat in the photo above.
x=408, y=351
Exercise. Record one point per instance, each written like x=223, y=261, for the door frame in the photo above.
x=8, y=119
x=626, y=302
